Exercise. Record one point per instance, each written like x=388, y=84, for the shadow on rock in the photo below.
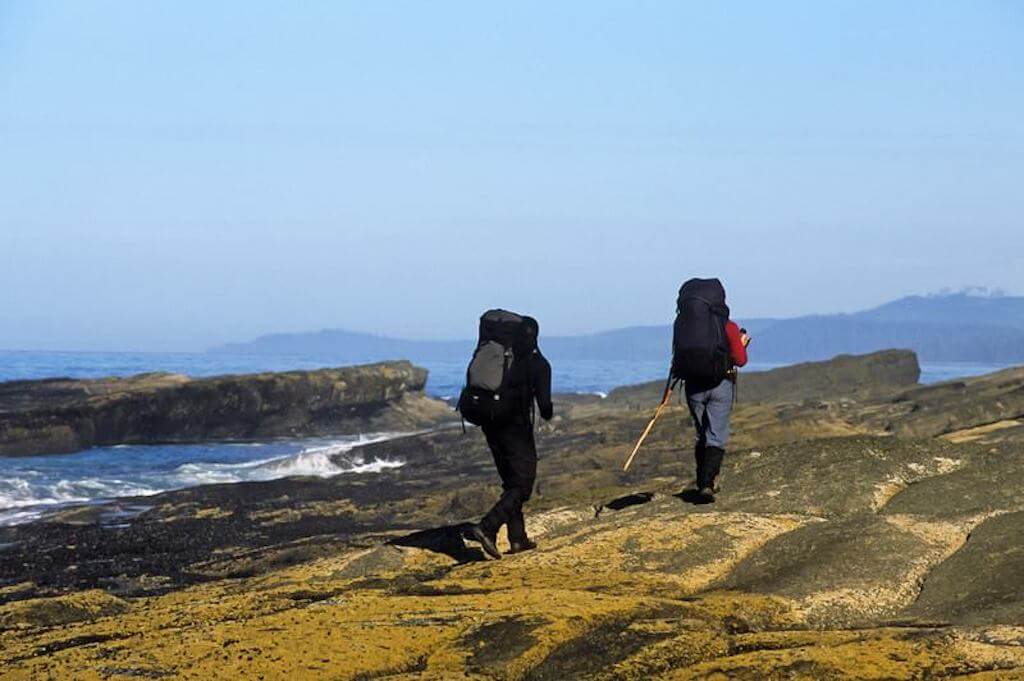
x=620, y=503
x=447, y=540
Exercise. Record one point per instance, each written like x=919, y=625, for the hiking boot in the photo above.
x=525, y=544
x=713, y=464
x=699, y=456
x=707, y=494
x=477, y=534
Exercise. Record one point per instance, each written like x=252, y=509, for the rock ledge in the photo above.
x=58, y=416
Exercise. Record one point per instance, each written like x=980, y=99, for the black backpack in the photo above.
x=700, y=348
x=491, y=396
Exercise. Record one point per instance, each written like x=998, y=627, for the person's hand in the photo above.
x=745, y=339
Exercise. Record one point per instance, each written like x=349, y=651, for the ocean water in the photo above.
x=446, y=377
x=31, y=485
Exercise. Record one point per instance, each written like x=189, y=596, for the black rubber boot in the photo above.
x=517, y=539
x=712, y=467
x=509, y=504
x=516, y=526
x=522, y=544
x=700, y=456
x=478, y=534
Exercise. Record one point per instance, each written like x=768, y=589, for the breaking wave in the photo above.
x=321, y=461
x=30, y=486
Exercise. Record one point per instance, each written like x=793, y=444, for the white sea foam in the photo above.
x=22, y=500
x=206, y=473
x=19, y=516
x=331, y=459
x=27, y=493
x=376, y=466
x=21, y=493
x=321, y=460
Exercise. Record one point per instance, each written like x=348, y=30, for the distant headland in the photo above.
x=950, y=327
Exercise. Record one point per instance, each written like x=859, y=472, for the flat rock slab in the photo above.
x=676, y=552
x=988, y=481
x=954, y=408
x=833, y=477
x=983, y=582
x=849, y=570
x=62, y=416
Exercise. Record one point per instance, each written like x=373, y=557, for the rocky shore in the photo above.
x=65, y=415
x=868, y=533
x=852, y=376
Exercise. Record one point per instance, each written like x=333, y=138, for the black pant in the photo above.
x=515, y=456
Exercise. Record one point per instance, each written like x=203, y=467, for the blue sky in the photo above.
x=179, y=174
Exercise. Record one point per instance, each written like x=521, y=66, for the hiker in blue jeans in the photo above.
x=707, y=349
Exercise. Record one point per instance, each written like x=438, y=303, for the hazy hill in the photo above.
x=958, y=308
x=949, y=328
x=815, y=338
x=349, y=345
x=959, y=327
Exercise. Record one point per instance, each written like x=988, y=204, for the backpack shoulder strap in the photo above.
x=529, y=386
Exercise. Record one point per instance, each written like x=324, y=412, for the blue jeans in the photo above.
x=711, y=410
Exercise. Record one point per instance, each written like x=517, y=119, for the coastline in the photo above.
x=849, y=520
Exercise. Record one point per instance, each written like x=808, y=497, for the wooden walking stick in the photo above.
x=647, y=431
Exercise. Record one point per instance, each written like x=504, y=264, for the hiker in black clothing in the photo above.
x=507, y=376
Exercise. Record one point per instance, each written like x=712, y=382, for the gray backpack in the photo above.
x=489, y=397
